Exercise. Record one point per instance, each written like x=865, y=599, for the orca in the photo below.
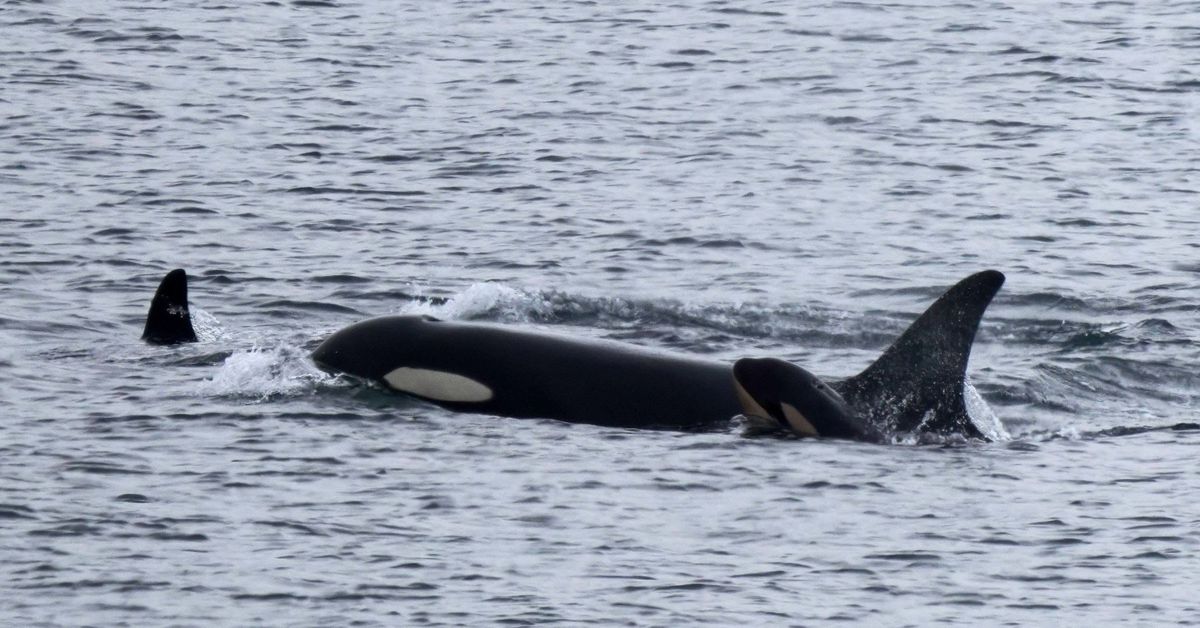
x=776, y=395
x=502, y=370
x=917, y=385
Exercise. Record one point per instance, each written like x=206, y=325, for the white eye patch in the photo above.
x=437, y=385
x=800, y=423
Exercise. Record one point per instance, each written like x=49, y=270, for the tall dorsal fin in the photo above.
x=169, y=321
x=918, y=381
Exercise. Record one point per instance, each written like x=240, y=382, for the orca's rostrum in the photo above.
x=917, y=385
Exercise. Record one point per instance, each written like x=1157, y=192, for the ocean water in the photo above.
x=718, y=178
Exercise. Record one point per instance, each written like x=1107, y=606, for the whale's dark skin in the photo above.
x=915, y=386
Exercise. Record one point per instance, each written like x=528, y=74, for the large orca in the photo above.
x=917, y=385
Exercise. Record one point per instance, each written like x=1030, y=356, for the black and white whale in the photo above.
x=917, y=385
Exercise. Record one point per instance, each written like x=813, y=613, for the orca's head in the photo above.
x=389, y=350
x=796, y=399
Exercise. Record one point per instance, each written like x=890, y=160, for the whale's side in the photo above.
x=515, y=372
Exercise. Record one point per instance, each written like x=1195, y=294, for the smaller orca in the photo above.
x=169, y=321
x=770, y=388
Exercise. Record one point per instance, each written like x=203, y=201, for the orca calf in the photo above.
x=917, y=385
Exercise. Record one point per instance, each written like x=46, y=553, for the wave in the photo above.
x=260, y=374
x=657, y=319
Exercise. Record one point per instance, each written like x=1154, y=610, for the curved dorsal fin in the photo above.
x=918, y=381
x=169, y=321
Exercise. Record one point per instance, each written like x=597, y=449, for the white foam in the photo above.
x=982, y=415
x=264, y=373
x=206, y=326
x=484, y=298
x=1069, y=432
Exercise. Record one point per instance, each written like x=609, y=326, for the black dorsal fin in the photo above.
x=918, y=381
x=169, y=321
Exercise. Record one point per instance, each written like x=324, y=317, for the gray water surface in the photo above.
x=720, y=179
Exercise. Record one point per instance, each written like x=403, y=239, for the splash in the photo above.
x=982, y=415
x=487, y=299
x=1069, y=432
x=206, y=326
x=795, y=324
x=261, y=374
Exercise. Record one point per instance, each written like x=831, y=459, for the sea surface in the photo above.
x=722, y=179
